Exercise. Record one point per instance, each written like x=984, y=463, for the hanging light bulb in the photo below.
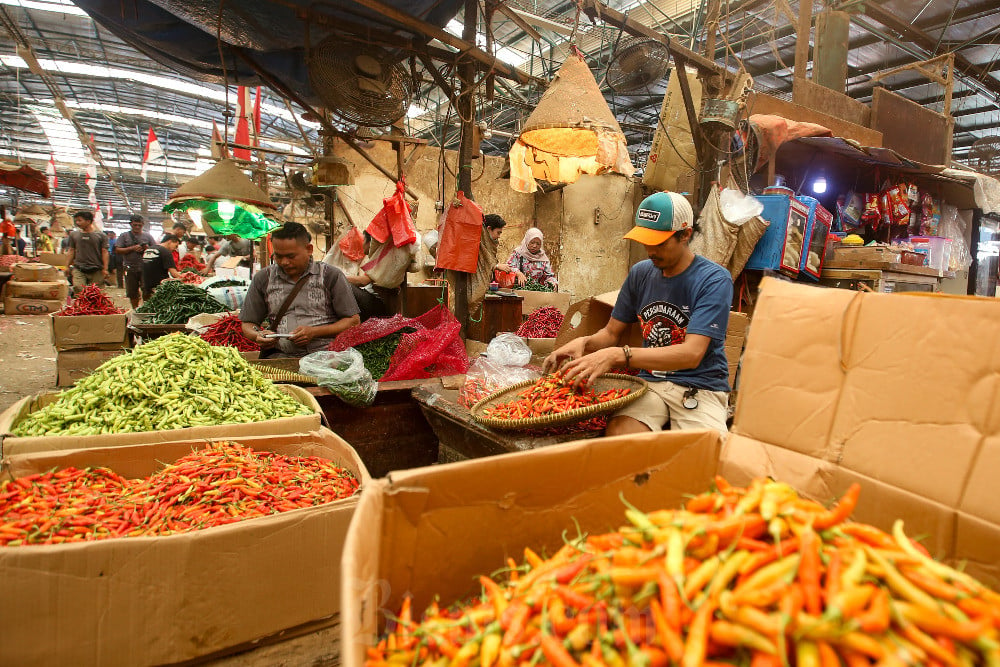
x=227, y=209
x=195, y=216
x=819, y=185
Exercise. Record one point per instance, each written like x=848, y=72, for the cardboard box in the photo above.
x=14, y=306
x=11, y=445
x=87, y=330
x=541, y=347
x=57, y=259
x=431, y=530
x=898, y=392
x=73, y=365
x=156, y=600
x=535, y=300
x=589, y=316
x=54, y=290
x=35, y=272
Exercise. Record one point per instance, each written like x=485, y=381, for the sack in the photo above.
x=486, y=377
x=750, y=233
x=394, y=221
x=458, y=249
x=338, y=258
x=433, y=349
x=717, y=238
x=343, y=373
x=389, y=263
x=231, y=297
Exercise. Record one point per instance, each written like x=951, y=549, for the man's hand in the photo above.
x=588, y=368
x=261, y=339
x=105, y=272
x=574, y=349
x=303, y=335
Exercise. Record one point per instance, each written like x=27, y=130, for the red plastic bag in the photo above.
x=433, y=350
x=394, y=220
x=505, y=279
x=459, y=246
x=352, y=244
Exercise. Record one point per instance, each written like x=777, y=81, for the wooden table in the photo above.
x=461, y=437
x=390, y=434
x=499, y=313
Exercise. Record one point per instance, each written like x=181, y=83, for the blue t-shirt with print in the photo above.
x=695, y=301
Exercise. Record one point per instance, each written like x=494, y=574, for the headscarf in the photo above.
x=522, y=250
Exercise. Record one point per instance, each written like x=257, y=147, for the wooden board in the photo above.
x=911, y=130
x=875, y=265
x=766, y=104
x=813, y=96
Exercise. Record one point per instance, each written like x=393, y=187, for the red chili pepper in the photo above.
x=543, y=323
x=228, y=332
x=91, y=300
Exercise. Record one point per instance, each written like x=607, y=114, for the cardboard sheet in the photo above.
x=155, y=600
x=56, y=290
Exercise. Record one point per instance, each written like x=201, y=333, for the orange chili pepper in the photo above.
x=809, y=570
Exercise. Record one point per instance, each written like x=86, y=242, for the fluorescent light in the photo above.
x=60, y=6
x=413, y=111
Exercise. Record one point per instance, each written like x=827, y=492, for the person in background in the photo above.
x=129, y=248
x=64, y=244
x=530, y=261
x=370, y=304
x=681, y=302
x=87, y=263
x=19, y=242
x=232, y=246
x=180, y=231
x=312, y=318
x=158, y=264
x=112, y=257
x=212, y=244
x=44, y=239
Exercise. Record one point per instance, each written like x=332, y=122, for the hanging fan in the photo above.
x=637, y=63
x=986, y=152
x=362, y=84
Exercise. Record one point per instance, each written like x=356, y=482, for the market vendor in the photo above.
x=681, y=302
x=369, y=301
x=310, y=301
x=529, y=261
x=232, y=246
x=158, y=264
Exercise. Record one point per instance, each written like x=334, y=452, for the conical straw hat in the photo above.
x=574, y=104
x=224, y=181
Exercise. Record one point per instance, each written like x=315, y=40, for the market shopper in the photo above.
x=158, y=264
x=87, y=263
x=232, y=246
x=309, y=301
x=129, y=248
x=45, y=243
x=530, y=261
x=180, y=231
x=681, y=302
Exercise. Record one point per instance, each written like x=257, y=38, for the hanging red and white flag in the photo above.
x=111, y=211
x=256, y=118
x=91, y=180
x=242, y=137
x=50, y=171
x=154, y=151
x=98, y=218
x=218, y=147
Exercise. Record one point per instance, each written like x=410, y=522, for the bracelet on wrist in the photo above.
x=628, y=355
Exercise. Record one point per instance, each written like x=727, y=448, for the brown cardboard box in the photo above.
x=535, y=300
x=54, y=290
x=11, y=445
x=87, y=330
x=431, y=530
x=35, y=272
x=540, y=347
x=156, y=600
x=13, y=306
x=57, y=259
x=589, y=316
x=73, y=365
x=898, y=392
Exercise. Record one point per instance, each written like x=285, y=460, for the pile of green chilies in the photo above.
x=175, y=381
x=175, y=302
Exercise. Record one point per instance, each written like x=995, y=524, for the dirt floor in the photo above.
x=27, y=357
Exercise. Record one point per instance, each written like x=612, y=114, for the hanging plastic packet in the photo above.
x=851, y=212
x=872, y=214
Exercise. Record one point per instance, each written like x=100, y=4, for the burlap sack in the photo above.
x=717, y=237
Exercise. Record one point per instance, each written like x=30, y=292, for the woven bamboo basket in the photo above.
x=282, y=370
x=603, y=383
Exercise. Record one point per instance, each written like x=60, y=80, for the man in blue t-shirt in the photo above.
x=681, y=302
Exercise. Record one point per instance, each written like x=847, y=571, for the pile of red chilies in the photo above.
x=7, y=261
x=91, y=301
x=191, y=278
x=228, y=332
x=189, y=261
x=551, y=395
x=223, y=483
x=543, y=323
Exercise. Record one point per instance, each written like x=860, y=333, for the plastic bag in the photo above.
x=352, y=244
x=394, y=221
x=508, y=349
x=955, y=226
x=459, y=246
x=343, y=373
x=431, y=240
x=433, y=349
x=231, y=297
x=486, y=376
x=738, y=207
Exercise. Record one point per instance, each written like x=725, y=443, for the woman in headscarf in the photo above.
x=530, y=261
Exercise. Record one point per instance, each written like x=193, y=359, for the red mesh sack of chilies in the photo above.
x=435, y=349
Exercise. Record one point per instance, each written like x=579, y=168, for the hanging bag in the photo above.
x=459, y=246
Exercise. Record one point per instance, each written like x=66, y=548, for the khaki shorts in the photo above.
x=664, y=402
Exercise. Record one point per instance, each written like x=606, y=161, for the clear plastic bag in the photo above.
x=343, y=373
x=486, y=376
x=508, y=349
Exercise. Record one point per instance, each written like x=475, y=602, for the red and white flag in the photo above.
x=219, y=150
x=242, y=137
x=98, y=218
x=154, y=151
x=91, y=180
x=111, y=211
x=50, y=171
